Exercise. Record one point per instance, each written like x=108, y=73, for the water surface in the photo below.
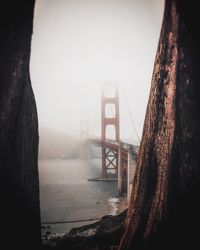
x=67, y=195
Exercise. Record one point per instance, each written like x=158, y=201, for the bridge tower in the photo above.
x=84, y=147
x=109, y=157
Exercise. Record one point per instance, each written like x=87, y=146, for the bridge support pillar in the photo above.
x=130, y=172
x=103, y=169
x=119, y=172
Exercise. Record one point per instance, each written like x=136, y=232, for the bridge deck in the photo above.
x=111, y=144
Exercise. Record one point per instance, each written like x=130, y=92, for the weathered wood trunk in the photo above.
x=19, y=185
x=164, y=211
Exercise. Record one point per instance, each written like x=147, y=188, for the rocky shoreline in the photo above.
x=103, y=235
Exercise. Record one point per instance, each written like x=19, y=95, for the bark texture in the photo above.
x=164, y=207
x=19, y=185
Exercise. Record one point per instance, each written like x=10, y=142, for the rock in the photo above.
x=104, y=234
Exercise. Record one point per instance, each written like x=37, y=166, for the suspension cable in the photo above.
x=130, y=114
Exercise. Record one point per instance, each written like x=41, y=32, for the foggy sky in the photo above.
x=78, y=45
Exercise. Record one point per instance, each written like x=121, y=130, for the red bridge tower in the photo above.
x=109, y=156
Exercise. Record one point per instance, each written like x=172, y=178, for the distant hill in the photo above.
x=54, y=144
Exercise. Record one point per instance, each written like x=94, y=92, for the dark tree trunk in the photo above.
x=164, y=211
x=19, y=185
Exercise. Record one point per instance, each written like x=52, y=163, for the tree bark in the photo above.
x=164, y=207
x=19, y=185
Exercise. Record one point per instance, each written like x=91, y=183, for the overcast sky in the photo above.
x=78, y=45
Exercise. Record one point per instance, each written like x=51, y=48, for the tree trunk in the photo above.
x=19, y=185
x=164, y=207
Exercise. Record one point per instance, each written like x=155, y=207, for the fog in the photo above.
x=78, y=45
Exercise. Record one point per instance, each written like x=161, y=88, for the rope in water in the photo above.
x=72, y=221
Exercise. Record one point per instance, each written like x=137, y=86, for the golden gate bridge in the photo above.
x=118, y=157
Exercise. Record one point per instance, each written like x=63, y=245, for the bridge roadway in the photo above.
x=114, y=146
x=111, y=144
